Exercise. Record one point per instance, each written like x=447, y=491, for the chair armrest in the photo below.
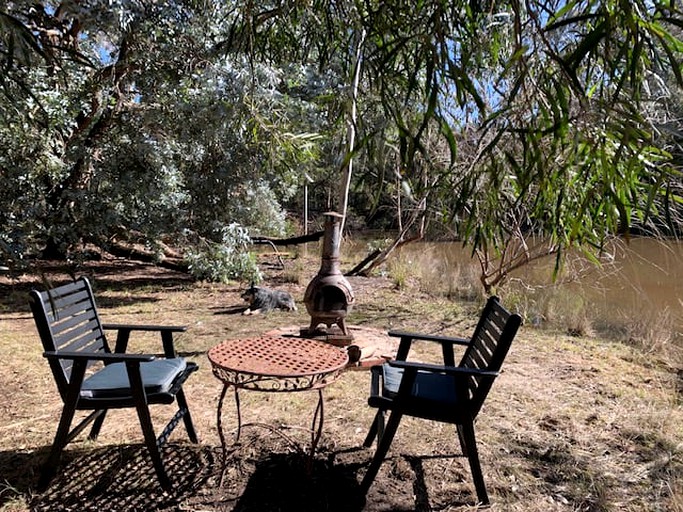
x=446, y=342
x=429, y=337
x=166, y=331
x=461, y=377
x=437, y=368
x=142, y=327
x=100, y=356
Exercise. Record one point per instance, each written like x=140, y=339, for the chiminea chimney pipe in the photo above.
x=330, y=264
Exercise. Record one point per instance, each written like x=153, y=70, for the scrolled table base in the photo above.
x=315, y=430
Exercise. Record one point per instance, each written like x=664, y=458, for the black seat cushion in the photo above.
x=437, y=387
x=112, y=380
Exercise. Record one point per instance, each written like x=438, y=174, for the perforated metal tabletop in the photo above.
x=277, y=363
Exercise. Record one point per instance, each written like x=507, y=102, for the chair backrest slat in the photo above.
x=58, y=315
x=488, y=347
x=65, y=289
x=477, y=359
x=66, y=318
x=62, y=301
x=73, y=327
x=90, y=342
x=498, y=316
x=81, y=339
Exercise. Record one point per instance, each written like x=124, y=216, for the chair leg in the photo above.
x=473, y=456
x=187, y=418
x=152, y=447
x=50, y=467
x=382, y=449
x=142, y=408
x=62, y=434
x=97, y=426
x=380, y=425
x=376, y=429
x=463, y=446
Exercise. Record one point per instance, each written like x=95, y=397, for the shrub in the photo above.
x=225, y=260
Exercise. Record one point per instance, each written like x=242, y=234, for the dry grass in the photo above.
x=435, y=275
x=573, y=424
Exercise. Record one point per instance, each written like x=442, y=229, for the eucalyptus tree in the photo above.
x=126, y=121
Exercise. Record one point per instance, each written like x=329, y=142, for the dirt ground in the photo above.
x=571, y=425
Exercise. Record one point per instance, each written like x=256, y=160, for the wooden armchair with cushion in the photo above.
x=90, y=377
x=445, y=392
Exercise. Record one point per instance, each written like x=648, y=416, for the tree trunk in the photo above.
x=53, y=250
x=91, y=126
x=348, y=169
x=123, y=251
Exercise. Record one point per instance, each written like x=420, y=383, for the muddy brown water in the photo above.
x=641, y=278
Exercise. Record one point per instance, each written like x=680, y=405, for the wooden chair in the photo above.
x=445, y=393
x=91, y=377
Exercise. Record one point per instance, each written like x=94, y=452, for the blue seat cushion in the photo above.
x=112, y=380
x=437, y=387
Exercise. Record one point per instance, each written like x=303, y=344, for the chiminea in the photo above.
x=329, y=297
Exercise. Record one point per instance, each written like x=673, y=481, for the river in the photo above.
x=640, y=286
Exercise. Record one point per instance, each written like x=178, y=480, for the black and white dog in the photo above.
x=262, y=300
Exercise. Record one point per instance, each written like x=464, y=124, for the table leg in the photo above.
x=219, y=423
x=239, y=415
x=221, y=435
x=316, y=427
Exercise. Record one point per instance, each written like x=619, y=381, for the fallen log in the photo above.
x=297, y=240
x=358, y=268
x=132, y=253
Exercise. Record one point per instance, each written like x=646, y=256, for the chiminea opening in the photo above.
x=329, y=297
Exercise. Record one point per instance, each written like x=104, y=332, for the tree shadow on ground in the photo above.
x=18, y=473
x=257, y=479
x=286, y=482
x=115, y=276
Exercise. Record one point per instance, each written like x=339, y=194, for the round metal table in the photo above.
x=276, y=364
